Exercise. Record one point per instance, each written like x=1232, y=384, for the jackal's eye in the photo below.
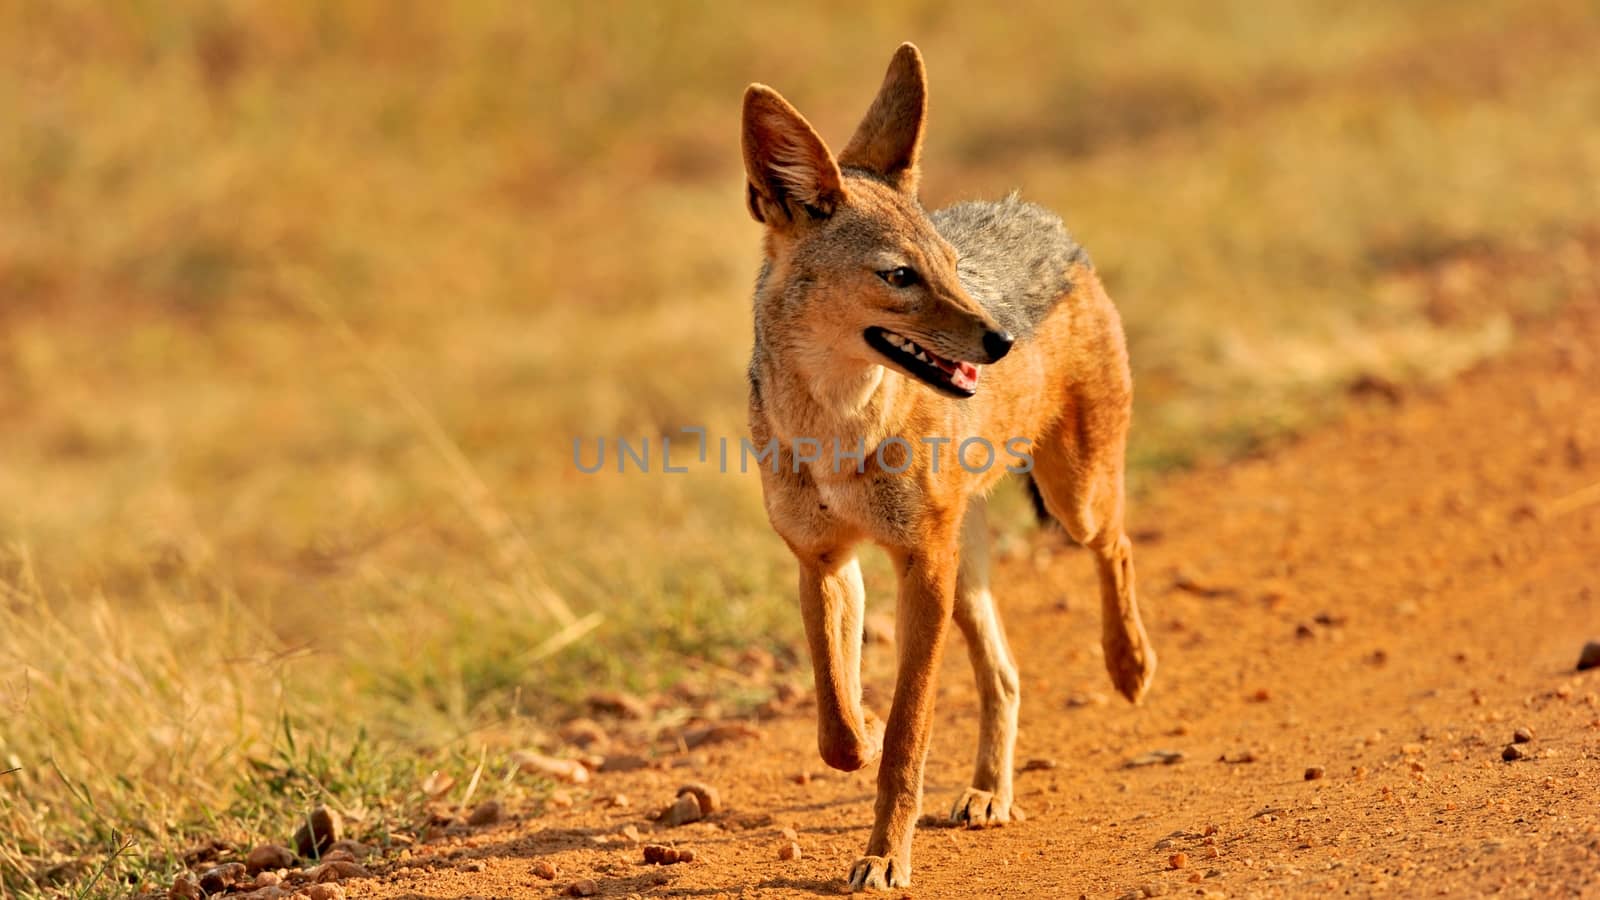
x=899, y=277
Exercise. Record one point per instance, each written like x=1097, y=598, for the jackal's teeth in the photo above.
x=894, y=339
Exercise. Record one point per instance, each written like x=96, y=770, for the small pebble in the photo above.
x=1178, y=860
x=586, y=734
x=355, y=849
x=704, y=794
x=486, y=813
x=1513, y=752
x=684, y=810
x=568, y=770
x=318, y=832
x=1155, y=758
x=269, y=856
x=789, y=852
x=325, y=892
x=220, y=878
x=544, y=870
x=717, y=733
x=583, y=887
x=623, y=762
x=1314, y=772
x=1522, y=735
x=1589, y=658
x=338, y=870
x=184, y=887
x=659, y=855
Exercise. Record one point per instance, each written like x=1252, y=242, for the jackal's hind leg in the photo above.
x=1079, y=471
x=988, y=800
x=1130, y=660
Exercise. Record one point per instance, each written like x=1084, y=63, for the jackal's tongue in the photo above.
x=965, y=376
x=951, y=367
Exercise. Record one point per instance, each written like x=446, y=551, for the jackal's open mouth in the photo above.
x=954, y=377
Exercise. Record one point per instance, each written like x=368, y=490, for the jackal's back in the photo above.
x=1015, y=257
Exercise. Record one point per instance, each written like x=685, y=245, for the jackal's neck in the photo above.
x=849, y=395
x=849, y=403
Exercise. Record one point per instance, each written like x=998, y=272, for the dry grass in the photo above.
x=301, y=306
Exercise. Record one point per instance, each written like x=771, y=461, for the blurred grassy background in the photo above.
x=302, y=304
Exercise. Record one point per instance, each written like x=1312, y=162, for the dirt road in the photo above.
x=1388, y=600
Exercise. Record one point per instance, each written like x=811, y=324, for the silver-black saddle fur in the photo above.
x=1015, y=257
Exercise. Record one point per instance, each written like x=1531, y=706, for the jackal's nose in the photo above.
x=997, y=344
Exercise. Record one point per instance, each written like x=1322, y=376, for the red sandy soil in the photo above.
x=1388, y=599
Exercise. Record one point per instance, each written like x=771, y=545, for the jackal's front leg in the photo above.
x=831, y=603
x=927, y=594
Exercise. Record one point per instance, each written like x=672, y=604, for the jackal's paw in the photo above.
x=879, y=873
x=983, y=809
x=1131, y=663
x=846, y=751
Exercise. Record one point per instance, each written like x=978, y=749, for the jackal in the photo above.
x=884, y=327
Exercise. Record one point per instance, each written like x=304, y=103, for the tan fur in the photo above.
x=832, y=225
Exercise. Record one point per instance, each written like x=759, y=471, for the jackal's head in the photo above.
x=857, y=273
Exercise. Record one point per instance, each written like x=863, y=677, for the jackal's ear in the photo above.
x=888, y=141
x=792, y=173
